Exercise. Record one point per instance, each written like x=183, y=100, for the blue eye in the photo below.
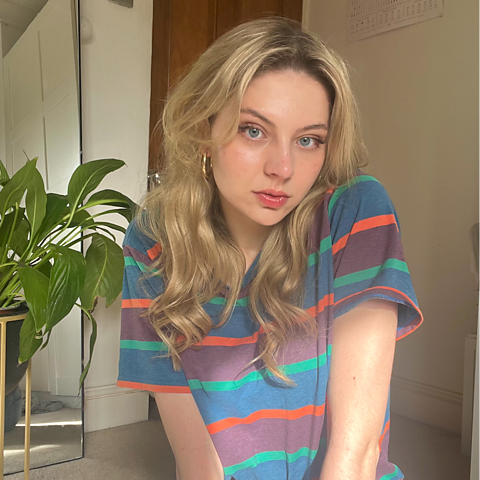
x=306, y=144
x=256, y=132
x=252, y=132
x=314, y=143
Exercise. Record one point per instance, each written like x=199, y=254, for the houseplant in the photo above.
x=38, y=265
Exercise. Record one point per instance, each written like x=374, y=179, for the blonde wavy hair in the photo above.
x=183, y=213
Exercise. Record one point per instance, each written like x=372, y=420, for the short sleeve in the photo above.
x=368, y=259
x=139, y=364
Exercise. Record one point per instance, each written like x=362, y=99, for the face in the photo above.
x=279, y=149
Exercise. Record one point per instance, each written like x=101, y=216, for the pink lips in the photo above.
x=272, y=198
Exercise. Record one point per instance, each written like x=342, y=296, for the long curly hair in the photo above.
x=183, y=214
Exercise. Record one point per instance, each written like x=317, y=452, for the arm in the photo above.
x=363, y=346
x=195, y=455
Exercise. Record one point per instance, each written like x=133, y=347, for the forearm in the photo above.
x=349, y=465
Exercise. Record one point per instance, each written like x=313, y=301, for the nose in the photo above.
x=279, y=162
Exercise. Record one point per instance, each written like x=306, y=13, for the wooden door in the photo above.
x=183, y=30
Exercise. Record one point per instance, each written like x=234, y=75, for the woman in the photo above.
x=265, y=284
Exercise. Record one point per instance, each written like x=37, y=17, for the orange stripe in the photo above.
x=393, y=290
x=154, y=251
x=233, y=342
x=263, y=414
x=362, y=225
x=340, y=244
x=136, y=303
x=153, y=388
x=378, y=221
x=387, y=426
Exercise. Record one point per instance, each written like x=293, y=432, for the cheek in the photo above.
x=235, y=160
x=309, y=173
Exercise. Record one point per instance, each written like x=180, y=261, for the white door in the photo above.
x=42, y=120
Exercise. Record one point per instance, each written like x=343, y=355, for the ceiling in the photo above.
x=19, y=13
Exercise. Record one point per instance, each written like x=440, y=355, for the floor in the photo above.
x=54, y=437
x=141, y=452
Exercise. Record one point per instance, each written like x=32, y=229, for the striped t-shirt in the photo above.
x=261, y=428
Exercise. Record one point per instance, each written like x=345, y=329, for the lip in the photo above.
x=274, y=193
x=271, y=201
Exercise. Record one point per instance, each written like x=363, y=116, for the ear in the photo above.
x=205, y=151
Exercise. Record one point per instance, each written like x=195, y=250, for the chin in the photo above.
x=271, y=220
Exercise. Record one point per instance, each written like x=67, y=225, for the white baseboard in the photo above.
x=112, y=406
x=425, y=404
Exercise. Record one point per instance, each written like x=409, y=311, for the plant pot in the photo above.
x=13, y=409
x=14, y=372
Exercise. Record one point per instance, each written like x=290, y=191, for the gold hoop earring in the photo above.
x=204, y=165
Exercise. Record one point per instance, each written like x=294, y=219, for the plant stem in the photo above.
x=4, y=256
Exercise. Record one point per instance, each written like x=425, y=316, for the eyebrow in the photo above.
x=269, y=122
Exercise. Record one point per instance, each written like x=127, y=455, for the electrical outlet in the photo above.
x=123, y=3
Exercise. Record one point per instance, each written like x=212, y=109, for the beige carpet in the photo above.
x=54, y=437
x=141, y=452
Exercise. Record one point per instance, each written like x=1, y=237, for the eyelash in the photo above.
x=247, y=126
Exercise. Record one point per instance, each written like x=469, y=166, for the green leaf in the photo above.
x=87, y=177
x=8, y=225
x=93, y=338
x=36, y=201
x=54, y=213
x=19, y=241
x=35, y=286
x=47, y=340
x=125, y=212
x=80, y=217
x=46, y=269
x=4, y=178
x=113, y=226
x=111, y=197
x=13, y=191
x=28, y=343
x=66, y=284
x=104, y=273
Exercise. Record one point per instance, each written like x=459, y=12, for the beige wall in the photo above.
x=417, y=89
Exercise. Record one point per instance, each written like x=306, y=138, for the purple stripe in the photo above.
x=384, y=467
x=223, y=363
x=129, y=251
x=269, y=434
x=135, y=327
x=409, y=328
x=320, y=228
x=352, y=257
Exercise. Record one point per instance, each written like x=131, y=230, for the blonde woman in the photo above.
x=265, y=284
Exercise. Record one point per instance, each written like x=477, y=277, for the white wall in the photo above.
x=115, y=83
x=417, y=89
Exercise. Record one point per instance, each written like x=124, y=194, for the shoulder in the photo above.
x=362, y=199
x=136, y=238
x=363, y=191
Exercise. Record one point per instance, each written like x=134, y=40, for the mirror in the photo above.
x=39, y=117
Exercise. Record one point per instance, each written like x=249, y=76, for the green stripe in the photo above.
x=388, y=476
x=255, y=376
x=340, y=190
x=325, y=245
x=269, y=456
x=139, y=345
x=131, y=262
x=241, y=302
x=370, y=272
